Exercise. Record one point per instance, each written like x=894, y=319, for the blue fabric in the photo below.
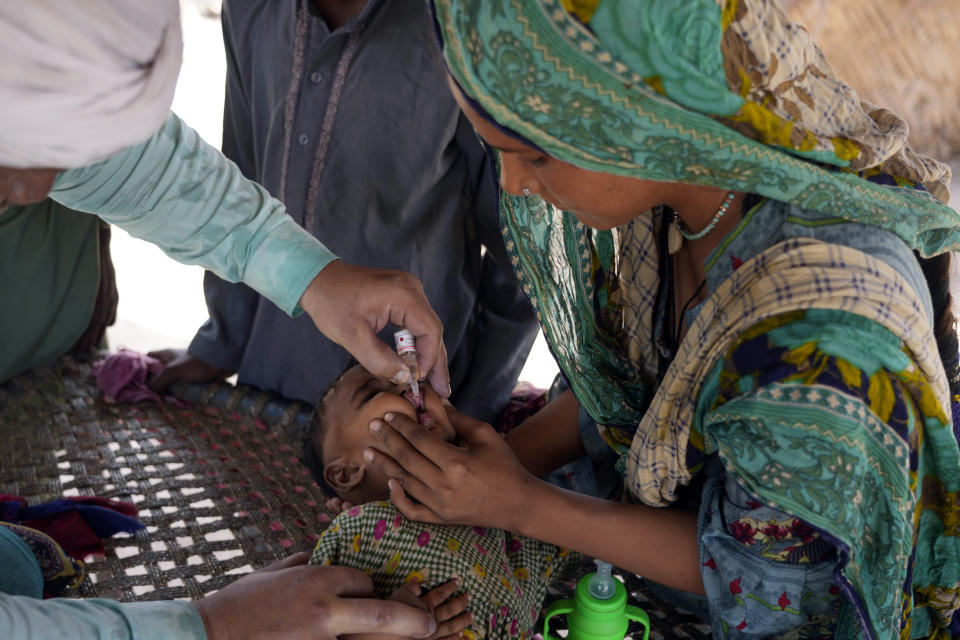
x=104, y=522
x=593, y=474
x=743, y=585
x=20, y=574
x=955, y=412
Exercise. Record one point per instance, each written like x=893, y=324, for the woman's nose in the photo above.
x=514, y=178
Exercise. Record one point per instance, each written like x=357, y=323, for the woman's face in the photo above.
x=25, y=186
x=599, y=200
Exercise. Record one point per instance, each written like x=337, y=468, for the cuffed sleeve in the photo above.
x=27, y=618
x=178, y=192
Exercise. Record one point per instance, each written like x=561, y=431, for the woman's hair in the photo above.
x=937, y=272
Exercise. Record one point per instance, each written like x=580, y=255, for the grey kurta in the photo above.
x=359, y=136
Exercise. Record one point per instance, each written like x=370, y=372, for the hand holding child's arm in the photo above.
x=451, y=614
x=291, y=599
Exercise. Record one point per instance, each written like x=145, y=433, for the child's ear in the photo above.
x=343, y=475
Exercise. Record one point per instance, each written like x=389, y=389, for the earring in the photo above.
x=526, y=192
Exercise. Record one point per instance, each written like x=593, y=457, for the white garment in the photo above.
x=83, y=79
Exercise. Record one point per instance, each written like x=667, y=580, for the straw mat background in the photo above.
x=899, y=54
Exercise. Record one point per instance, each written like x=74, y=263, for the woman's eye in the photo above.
x=539, y=161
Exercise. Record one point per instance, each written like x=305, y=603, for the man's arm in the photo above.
x=183, y=195
x=285, y=600
x=27, y=618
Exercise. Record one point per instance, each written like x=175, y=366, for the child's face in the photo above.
x=359, y=398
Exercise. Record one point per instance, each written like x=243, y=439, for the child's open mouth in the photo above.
x=423, y=417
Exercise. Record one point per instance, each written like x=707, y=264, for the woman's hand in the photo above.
x=479, y=483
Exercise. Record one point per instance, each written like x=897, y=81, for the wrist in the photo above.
x=533, y=499
x=207, y=629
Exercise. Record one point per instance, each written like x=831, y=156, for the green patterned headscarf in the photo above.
x=725, y=93
x=730, y=94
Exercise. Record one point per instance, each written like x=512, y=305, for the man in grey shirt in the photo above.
x=341, y=110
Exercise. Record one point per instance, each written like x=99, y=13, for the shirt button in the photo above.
x=303, y=139
x=316, y=77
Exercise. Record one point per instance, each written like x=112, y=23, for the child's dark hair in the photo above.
x=313, y=434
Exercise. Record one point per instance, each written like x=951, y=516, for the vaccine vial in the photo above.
x=407, y=349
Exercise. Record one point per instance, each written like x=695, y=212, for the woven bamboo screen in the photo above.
x=900, y=54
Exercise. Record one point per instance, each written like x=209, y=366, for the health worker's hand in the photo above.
x=293, y=601
x=351, y=304
x=480, y=482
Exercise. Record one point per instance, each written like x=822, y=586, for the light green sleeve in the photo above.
x=27, y=618
x=179, y=193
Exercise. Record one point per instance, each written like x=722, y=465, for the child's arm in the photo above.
x=450, y=613
x=550, y=438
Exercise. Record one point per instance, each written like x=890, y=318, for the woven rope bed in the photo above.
x=217, y=481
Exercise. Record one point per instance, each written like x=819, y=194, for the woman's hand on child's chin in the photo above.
x=480, y=483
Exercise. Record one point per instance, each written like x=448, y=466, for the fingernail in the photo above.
x=401, y=377
x=388, y=417
x=368, y=455
x=375, y=426
x=433, y=627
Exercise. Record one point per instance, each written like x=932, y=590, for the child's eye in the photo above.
x=367, y=398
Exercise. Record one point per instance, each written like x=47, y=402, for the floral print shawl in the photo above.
x=811, y=372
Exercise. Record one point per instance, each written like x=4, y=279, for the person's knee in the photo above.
x=21, y=574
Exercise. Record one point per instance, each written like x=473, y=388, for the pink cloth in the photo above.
x=123, y=376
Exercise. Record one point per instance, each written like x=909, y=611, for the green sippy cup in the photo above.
x=599, y=610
